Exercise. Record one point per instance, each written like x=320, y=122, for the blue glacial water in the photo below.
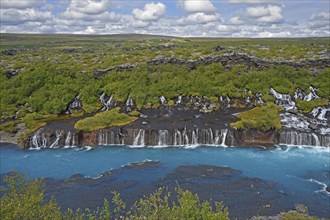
x=302, y=172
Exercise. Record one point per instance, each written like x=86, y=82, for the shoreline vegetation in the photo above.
x=24, y=199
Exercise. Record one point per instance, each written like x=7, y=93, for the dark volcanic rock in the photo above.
x=9, y=52
x=327, y=189
x=12, y=73
x=148, y=164
x=245, y=197
x=128, y=67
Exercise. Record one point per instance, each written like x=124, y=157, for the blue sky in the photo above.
x=209, y=18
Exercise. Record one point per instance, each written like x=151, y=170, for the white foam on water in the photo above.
x=323, y=185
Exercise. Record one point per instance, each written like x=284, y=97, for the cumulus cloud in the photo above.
x=226, y=29
x=198, y=18
x=151, y=12
x=197, y=5
x=320, y=20
x=20, y=4
x=90, y=7
x=252, y=1
x=19, y=16
x=236, y=20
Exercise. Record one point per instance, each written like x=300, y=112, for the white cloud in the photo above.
x=198, y=18
x=320, y=20
x=20, y=4
x=151, y=12
x=90, y=7
x=273, y=14
x=197, y=5
x=19, y=16
x=139, y=24
x=236, y=20
x=252, y=1
x=226, y=29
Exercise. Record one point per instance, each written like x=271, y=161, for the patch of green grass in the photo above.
x=135, y=113
x=306, y=107
x=10, y=126
x=261, y=118
x=103, y=120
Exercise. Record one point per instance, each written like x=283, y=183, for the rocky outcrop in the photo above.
x=234, y=58
x=127, y=67
x=227, y=60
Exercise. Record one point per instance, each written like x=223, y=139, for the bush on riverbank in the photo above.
x=261, y=118
x=103, y=120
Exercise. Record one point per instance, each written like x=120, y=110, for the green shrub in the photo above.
x=103, y=120
x=306, y=107
x=261, y=118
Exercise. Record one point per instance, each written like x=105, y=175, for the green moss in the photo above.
x=261, y=118
x=104, y=120
x=306, y=107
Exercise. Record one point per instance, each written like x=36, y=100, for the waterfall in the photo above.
x=216, y=138
x=68, y=139
x=303, y=139
x=139, y=139
x=284, y=100
x=162, y=137
x=194, y=137
x=320, y=113
x=177, y=137
x=316, y=138
x=58, y=136
x=44, y=141
x=163, y=100
x=224, y=135
x=35, y=140
x=185, y=137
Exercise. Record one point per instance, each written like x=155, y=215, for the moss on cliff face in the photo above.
x=103, y=120
x=261, y=118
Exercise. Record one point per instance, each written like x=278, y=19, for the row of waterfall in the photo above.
x=133, y=137
x=175, y=137
x=304, y=139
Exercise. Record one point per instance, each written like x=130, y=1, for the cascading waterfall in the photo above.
x=139, y=139
x=58, y=136
x=316, y=138
x=224, y=135
x=162, y=137
x=304, y=139
x=194, y=137
x=185, y=137
x=177, y=137
x=35, y=143
x=68, y=139
x=44, y=141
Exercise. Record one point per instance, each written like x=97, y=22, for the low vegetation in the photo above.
x=307, y=107
x=262, y=118
x=103, y=120
x=24, y=199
